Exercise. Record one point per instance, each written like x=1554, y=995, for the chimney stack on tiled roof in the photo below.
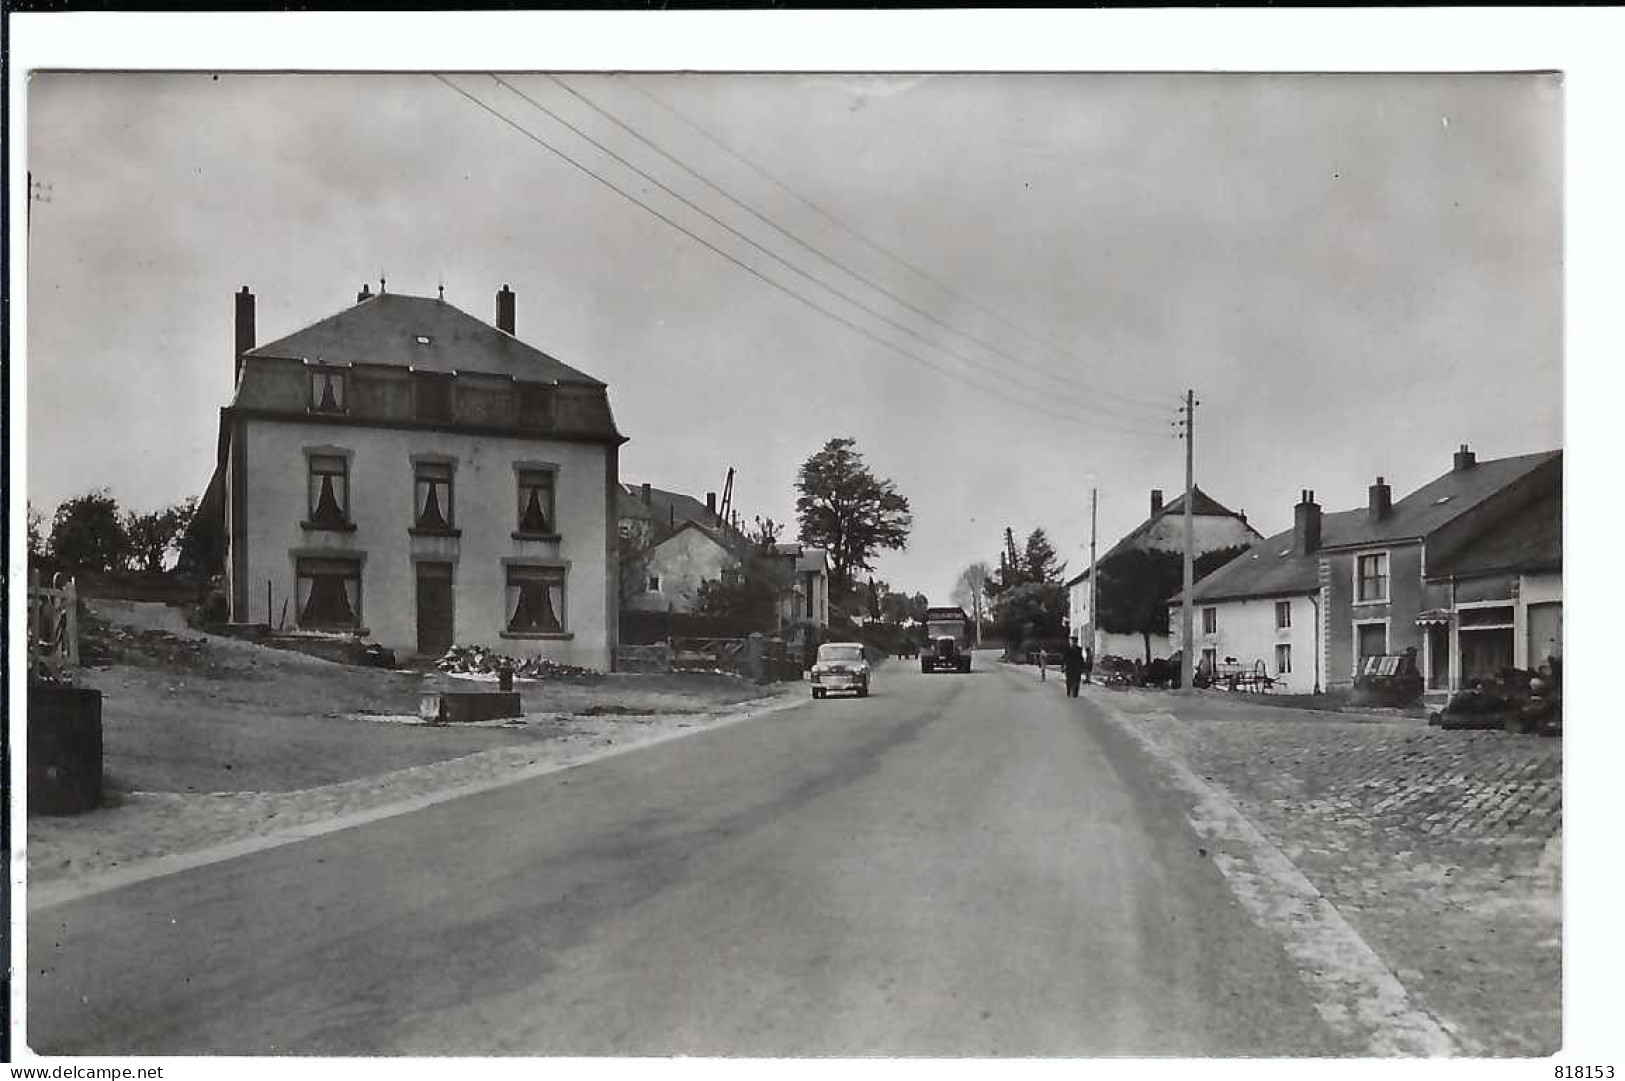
x=505, y=310
x=711, y=505
x=365, y=294
x=1306, y=525
x=1156, y=502
x=1465, y=459
x=245, y=328
x=1382, y=500
x=648, y=497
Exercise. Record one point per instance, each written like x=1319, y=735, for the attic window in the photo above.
x=1441, y=501
x=1284, y=552
x=424, y=339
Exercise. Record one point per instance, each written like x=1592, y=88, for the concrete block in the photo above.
x=461, y=707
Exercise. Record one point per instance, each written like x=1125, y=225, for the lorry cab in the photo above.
x=947, y=641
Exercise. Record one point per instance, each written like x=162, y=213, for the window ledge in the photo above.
x=553, y=636
x=523, y=536
x=335, y=527
x=424, y=531
x=1369, y=604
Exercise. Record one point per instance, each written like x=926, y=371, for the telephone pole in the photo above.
x=1187, y=663
x=1094, y=573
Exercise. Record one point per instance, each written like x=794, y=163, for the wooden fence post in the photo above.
x=72, y=625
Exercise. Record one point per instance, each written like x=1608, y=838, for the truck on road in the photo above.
x=947, y=641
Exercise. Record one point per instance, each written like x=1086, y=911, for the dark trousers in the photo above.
x=1072, y=679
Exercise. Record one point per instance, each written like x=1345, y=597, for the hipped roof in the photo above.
x=385, y=329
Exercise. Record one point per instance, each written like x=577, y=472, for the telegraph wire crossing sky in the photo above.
x=999, y=285
x=1014, y=375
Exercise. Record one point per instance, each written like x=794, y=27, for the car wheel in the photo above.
x=863, y=692
x=818, y=692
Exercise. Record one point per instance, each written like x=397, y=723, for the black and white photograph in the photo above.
x=792, y=561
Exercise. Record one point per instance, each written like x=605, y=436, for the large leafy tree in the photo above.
x=154, y=535
x=88, y=534
x=1136, y=585
x=847, y=510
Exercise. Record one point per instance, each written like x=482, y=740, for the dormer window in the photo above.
x=424, y=339
x=431, y=396
x=535, y=405
x=326, y=390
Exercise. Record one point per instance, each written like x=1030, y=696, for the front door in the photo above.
x=434, y=608
x=1545, y=633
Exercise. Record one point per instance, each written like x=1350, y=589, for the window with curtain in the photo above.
x=328, y=593
x=326, y=391
x=535, y=599
x=1210, y=620
x=536, y=502
x=1283, y=615
x=329, y=490
x=1283, y=660
x=432, y=496
x=1371, y=577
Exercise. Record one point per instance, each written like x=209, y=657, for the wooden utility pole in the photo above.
x=1094, y=575
x=1187, y=666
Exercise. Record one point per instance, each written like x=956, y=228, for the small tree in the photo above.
x=970, y=592
x=88, y=534
x=749, y=593
x=847, y=510
x=634, y=567
x=39, y=546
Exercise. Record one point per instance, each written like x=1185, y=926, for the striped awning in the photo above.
x=1433, y=617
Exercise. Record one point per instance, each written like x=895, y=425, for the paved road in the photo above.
x=955, y=866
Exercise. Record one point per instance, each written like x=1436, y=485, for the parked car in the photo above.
x=841, y=666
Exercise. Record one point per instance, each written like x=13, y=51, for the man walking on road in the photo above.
x=1073, y=662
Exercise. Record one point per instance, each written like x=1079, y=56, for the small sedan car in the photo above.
x=840, y=667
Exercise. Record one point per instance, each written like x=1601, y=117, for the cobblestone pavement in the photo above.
x=1440, y=848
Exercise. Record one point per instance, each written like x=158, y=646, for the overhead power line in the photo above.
x=1070, y=384
x=881, y=249
x=903, y=328
x=995, y=390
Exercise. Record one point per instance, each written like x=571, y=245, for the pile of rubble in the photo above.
x=102, y=644
x=477, y=660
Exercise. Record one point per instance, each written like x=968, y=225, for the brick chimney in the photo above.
x=1156, y=502
x=1306, y=525
x=648, y=496
x=245, y=328
x=505, y=310
x=711, y=505
x=1465, y=459
x=1382, y=500
x=365, y=294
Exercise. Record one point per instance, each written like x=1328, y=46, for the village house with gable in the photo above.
x=684, y=543
x=407, y=473
x=1466, y=571
x=1215, y=527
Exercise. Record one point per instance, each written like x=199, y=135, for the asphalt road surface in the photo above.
x=958, y=865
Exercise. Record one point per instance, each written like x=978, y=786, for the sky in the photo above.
x=1355, y=274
